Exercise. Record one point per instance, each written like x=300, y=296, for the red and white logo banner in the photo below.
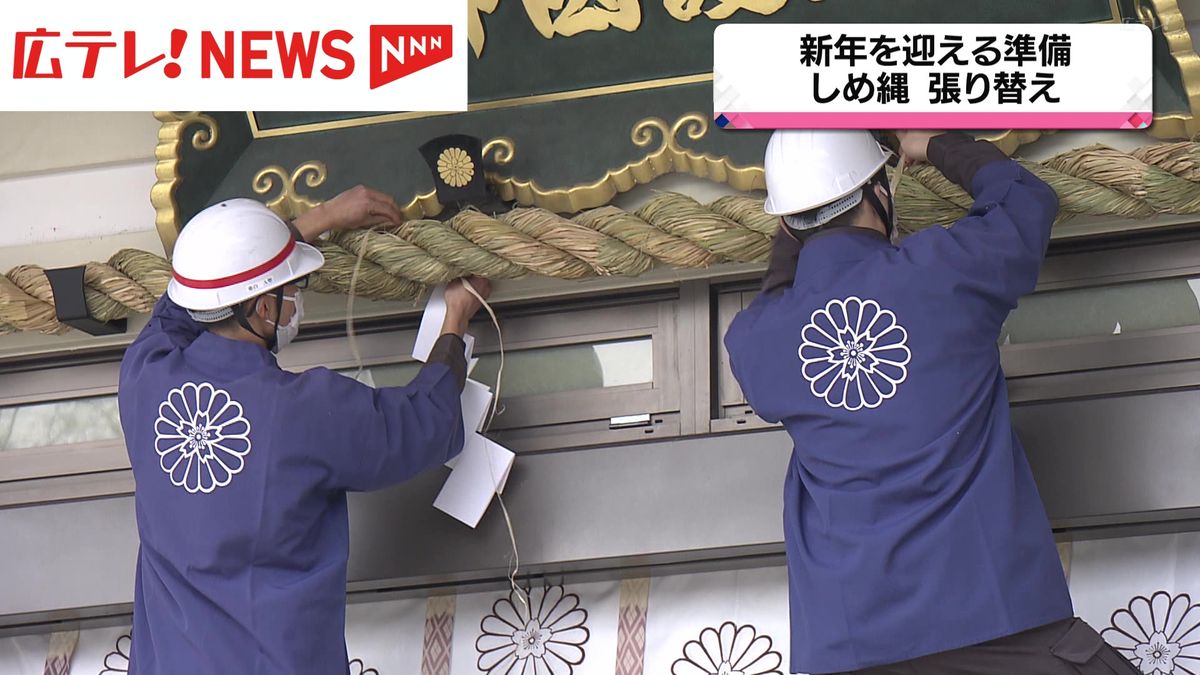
x=346, y=55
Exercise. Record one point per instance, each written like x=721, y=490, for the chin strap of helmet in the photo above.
x=887, y=215
x=239, y=313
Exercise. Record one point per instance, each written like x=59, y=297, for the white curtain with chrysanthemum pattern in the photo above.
x=1142, y=593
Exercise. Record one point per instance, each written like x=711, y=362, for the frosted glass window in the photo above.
x=39, y=425
x=552, y=370
x=391, y=375
x=545, y=370
x=1105, y=310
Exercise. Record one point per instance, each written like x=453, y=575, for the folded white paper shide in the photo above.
x=481, y=470
x=476, y=399
x=431, y=327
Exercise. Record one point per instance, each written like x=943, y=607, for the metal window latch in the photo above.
x=629, y=421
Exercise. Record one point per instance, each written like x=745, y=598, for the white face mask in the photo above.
x=286, y=333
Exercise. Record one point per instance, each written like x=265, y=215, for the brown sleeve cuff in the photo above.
x=295, y=231
x=781, y=270
x=959, y=157
x=451, y=350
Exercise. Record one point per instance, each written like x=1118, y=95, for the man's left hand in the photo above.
x=355, y=208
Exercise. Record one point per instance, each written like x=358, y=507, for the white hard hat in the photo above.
x=809, y=168
x=233, y=251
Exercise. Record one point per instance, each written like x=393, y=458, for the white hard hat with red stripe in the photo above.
x=233, y=251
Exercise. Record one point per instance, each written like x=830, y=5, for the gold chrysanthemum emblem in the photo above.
x=455, y=167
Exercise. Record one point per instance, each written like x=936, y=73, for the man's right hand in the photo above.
x=914, y=144
x=461, y=305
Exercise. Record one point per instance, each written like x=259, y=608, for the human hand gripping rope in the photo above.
x=515, y=563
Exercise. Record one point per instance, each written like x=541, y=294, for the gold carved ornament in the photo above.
x=1179, y=41
x=572, y=17
x=168, y=153
x=475, y=31
x=668, y=157
x=686, y=10
x=289, y=203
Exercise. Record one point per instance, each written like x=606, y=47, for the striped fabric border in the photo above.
x=439, y=633
x=1064, y=556
x=60, y=653
x=631, y=626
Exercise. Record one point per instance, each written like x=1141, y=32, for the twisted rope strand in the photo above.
x=671, y=229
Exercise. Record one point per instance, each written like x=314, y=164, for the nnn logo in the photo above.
x=398, y=51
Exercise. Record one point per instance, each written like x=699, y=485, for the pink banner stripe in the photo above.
x=938, y=120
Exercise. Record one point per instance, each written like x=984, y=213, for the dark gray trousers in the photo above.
x=1069, y=647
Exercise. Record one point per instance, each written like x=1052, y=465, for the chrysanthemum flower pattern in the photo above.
x=547, y=637
x=729, y=650
x=201, y=437
x=855, y=354
x=1159, y=634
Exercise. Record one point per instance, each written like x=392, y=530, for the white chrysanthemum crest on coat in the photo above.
x=201, y=437
x=855, y=354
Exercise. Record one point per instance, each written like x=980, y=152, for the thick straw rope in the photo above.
x=671, y=229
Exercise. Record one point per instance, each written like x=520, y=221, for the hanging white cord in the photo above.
x=899, y=176
x=515, y=565
x=512, y=537
x=350, y=307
